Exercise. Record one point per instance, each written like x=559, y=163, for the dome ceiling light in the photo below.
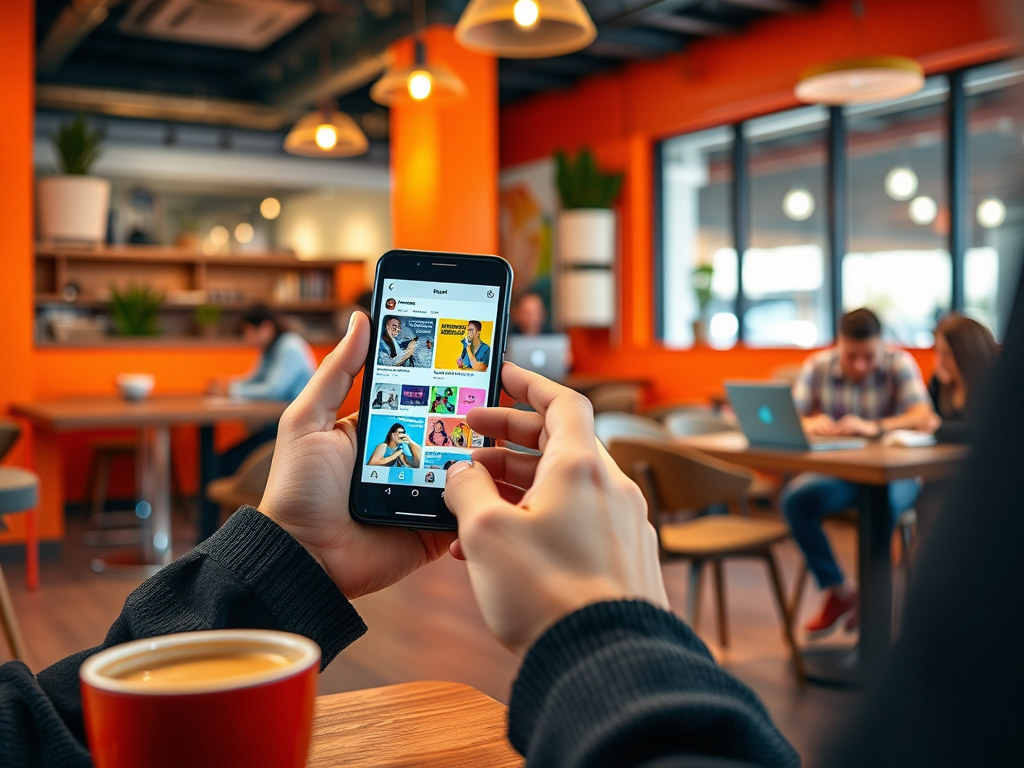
x=525, y=29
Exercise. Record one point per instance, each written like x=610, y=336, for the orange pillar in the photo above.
x=444, y=160
x=17, y=94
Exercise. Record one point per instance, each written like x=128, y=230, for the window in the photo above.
x=995, y=203
x=897, y=261
x=697, y=179
x=784, y=267
x=883, y=236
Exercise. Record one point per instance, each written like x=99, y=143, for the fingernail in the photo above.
x=459, y=466
x=351, y=321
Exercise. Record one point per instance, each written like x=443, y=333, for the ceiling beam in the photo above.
x=526, y=80
x=75, y=22
x=690, y=25
x=634, y=43
x=635, y=13
x=774, y=6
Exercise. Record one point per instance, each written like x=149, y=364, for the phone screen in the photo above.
x=435, y=349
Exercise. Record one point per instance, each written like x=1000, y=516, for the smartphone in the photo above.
x=439, y=324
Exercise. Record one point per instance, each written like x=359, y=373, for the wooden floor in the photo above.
x=429, y=628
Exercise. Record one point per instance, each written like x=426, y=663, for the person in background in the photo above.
x=529, y=317
x=285, y=366
x=965, y=352
x=859, y=387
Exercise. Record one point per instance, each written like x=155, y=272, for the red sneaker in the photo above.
x=834, y=612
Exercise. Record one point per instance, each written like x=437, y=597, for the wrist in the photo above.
x=267, y=511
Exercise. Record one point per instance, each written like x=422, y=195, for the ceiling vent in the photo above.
x=248, y=24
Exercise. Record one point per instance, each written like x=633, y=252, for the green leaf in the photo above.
x=77, y=147
x=136, y=310
x=581, y=184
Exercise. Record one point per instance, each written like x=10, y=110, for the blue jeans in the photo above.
x=810, y=498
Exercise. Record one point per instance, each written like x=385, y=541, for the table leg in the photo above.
x=153, y=473
x=853, y=666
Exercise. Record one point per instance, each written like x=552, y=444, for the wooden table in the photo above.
x=417, y=725
x=153, y=418
x=872, y=468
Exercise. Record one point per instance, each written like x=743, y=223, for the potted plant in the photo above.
x=74, y=205
x=207, y=317
x=702, y=276
x=134, y=311
x=586, y=224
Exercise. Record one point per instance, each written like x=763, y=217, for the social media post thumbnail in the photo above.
x=395, y=441
x=386, y=397
x=444, y=400
x=469, y=398
x=406, y=342
x=464, y=345
x=441, y=460
x=451, y=433
x=415, y=396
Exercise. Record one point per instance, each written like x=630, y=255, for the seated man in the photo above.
x=859, y=387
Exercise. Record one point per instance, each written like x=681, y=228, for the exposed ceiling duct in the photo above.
x=151, y=106
x=73, y=25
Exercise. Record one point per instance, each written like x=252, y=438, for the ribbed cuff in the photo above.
x=590, y=630
x=286, y=579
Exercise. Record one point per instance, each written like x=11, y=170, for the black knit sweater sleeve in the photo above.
x=250, y=574
x=625, y=684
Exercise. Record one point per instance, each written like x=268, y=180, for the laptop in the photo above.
x=768, y=417
x=546, y=354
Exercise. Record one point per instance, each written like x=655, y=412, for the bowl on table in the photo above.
x=135, y=386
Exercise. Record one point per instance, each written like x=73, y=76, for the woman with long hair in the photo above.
x=397, y=450
x=392, y=353
x=965, y=352
x=438, y=435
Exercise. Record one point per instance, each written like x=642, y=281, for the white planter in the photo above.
x=73, y=208
x=587, y=298
x=586, y=236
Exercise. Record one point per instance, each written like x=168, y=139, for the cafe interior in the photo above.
x=692, y=194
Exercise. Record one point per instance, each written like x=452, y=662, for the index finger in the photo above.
x=568, y=415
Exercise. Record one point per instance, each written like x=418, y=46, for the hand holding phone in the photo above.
x=313, y=445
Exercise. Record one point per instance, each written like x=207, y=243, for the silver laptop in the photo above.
x=546, y=354
x=768, y=417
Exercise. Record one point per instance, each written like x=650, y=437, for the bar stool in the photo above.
x=19, y=492
x=105, y=450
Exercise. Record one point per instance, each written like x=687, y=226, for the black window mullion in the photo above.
x=837, y=197
x=740, y=218
x=958, y=179
x=659, y=242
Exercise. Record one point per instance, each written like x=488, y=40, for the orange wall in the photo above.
x=444, y=160
x=622, y=115
x=17, y=94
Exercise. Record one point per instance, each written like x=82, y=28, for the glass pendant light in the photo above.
x=525, y=29
x=421, y=81
x=860, y=79
x=326, y=132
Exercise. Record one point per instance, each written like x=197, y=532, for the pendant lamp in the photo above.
x=418, y=82
x=326, y=133
x=862, y=78
x=525, y=29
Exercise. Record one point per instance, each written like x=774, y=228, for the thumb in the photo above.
x=316, y=407
x=470, y=491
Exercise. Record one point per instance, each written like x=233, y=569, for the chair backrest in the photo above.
x=674, y=477
x=252, y=476
x=692, y=424
x=610, y=426
x=9, y=431
x=621, y=397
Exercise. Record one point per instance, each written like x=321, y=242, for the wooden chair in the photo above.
x=609, y=426
x=675, y=478
x=622, y=397
x=19, y=492
x=246, y=486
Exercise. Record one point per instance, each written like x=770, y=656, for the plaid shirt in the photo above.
x=890, y=390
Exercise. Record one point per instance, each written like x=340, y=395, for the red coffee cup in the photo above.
x=247, y=716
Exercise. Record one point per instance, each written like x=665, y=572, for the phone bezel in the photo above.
x=426, y=266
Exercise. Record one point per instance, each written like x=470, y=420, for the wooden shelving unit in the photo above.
x=187, y=278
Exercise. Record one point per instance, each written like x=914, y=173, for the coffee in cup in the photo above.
x=222, y=697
